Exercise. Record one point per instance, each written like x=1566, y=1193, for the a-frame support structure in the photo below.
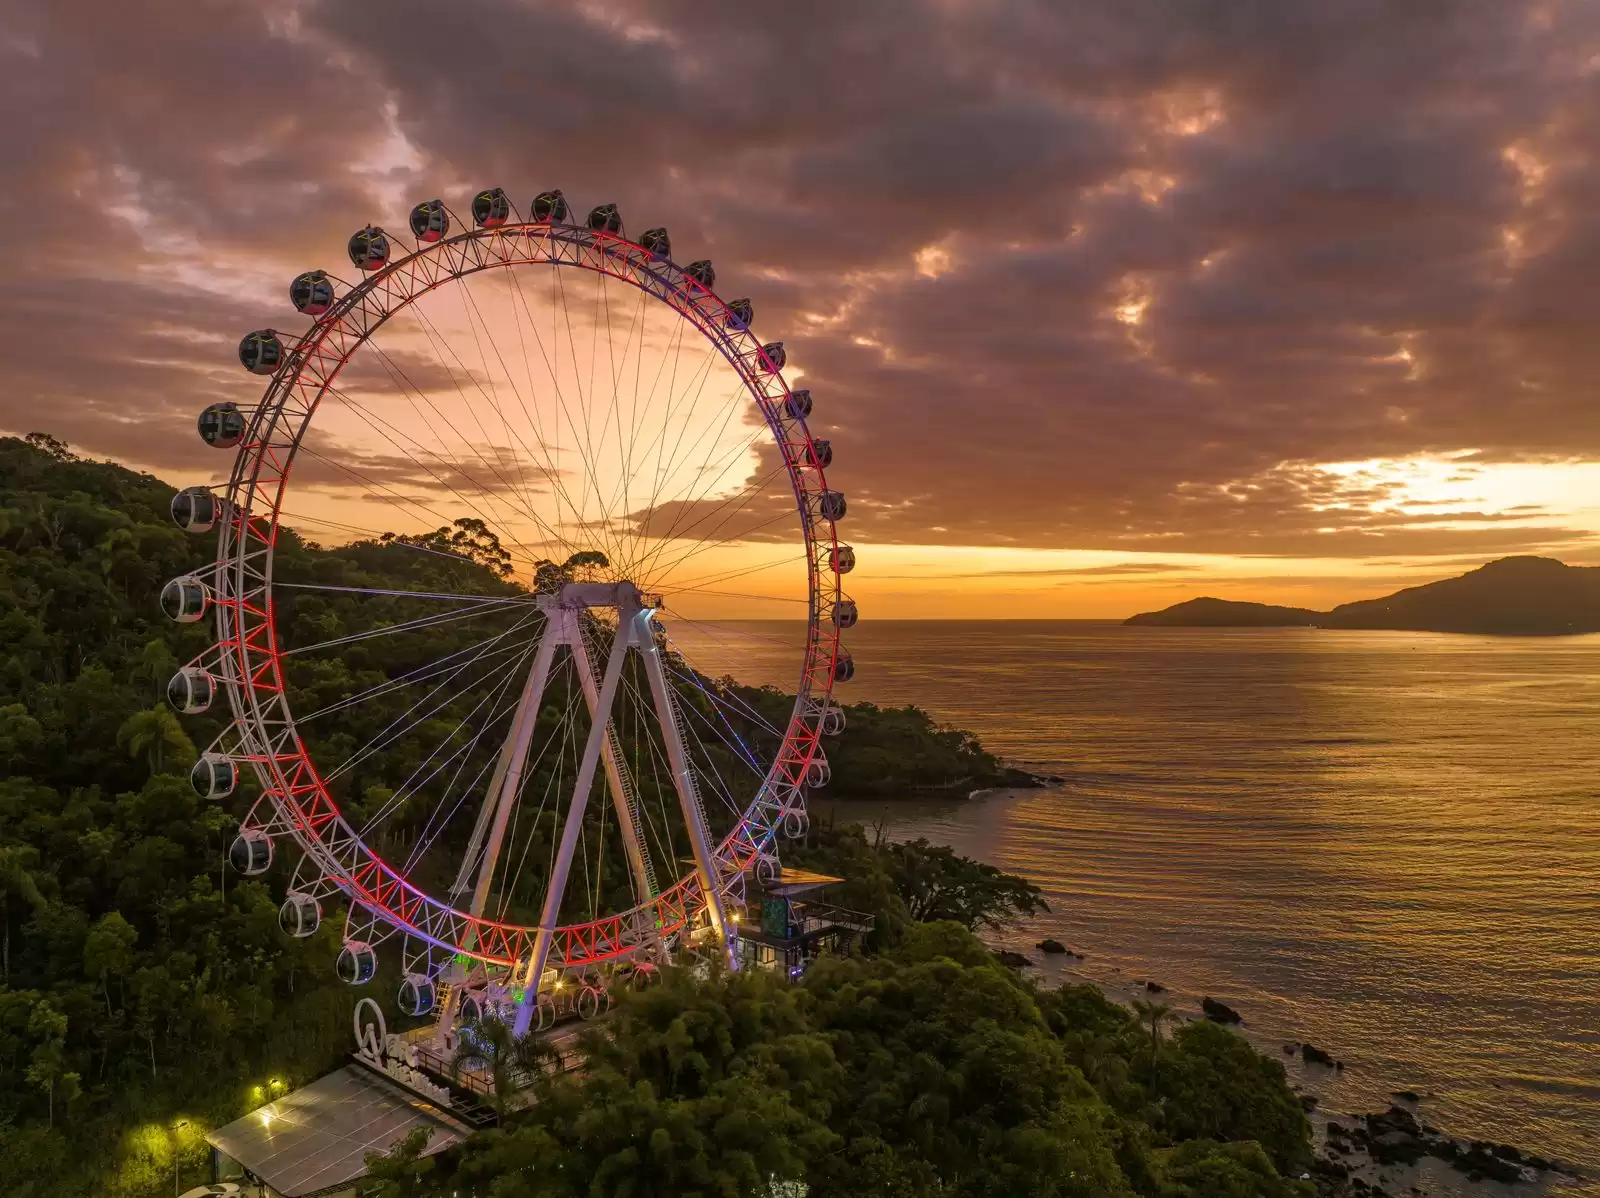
x=564, y=616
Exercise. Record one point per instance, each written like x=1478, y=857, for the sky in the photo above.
x=1104, y=303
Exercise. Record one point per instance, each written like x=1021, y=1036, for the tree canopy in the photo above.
x=147, y=994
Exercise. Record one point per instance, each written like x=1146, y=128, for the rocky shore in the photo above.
x=1394, y=1152
x=1376, y=1154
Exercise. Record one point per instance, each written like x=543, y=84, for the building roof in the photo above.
x=319, y=1135
x=797, y=881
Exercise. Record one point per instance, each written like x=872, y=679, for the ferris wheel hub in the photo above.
x=576, y=596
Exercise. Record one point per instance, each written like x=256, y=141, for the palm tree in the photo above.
x=151, y=733
x=1154, y=1013
x=156, y=664
x=492, y=1045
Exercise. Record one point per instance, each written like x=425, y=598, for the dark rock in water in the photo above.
x=1220, y=1012
x=1015, y=960
x=1052, y=946
x=1308, y=1102
x=1397, y=1148
x=1155, y=987
x=1313, y=1055
x=1396, y=1118
x=1290, y=1049
x=1406, y=1095
x=1333, y=1169
x=1479, y=1160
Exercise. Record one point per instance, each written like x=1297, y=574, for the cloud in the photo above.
x=1111, y=274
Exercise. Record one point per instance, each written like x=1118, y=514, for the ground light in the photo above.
x=177, y=1144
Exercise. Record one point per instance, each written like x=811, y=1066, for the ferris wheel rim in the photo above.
x=292, y=787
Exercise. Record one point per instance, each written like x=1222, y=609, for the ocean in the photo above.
x=1384, y=843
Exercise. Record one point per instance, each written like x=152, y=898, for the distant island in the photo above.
x=1513, y=596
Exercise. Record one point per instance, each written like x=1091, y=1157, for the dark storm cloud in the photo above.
x=1105, y=274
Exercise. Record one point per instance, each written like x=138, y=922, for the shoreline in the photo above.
x=1345, y=1099
x=1428, y=1175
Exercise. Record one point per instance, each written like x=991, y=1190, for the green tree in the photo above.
x=17, y=888
x=156, y=735
x=108, y=951
x=1207, y=1169
x=47, y=1067
x=403, y=1171
x=1215, y=1086
x=1153, y=1013
x=491, y=1046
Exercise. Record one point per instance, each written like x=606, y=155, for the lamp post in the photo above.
x=177, y=1144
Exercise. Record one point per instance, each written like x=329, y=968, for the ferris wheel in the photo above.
x=581, y=442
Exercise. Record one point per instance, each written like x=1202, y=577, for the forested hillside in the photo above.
x=148, y=994
x=141, y=984
x=919, y=1067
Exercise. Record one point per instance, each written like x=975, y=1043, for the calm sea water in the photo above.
x=1385, y=843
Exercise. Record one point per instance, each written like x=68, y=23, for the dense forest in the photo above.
x=147, y=992
x=921, y=1066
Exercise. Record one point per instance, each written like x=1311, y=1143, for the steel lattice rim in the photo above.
x=294, y=799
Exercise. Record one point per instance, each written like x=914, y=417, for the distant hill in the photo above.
x=1514, y=596
x=1226, y=613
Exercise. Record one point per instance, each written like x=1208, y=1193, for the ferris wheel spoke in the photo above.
x=412, y=393
x=404, y=501
x=521, y=309
x=666, y=472
x=704, y=543
x=705, y=763
x=408, y=718
x=435, y=339
x=626, y=427
x=626, y=452
x=410, y=678
x=689, y=586
x=695, y=500
x=668, y=421
x=535, y=427
x=436, y=825
x=403, y=441
x=464, y=597
x=470, y=308
x=412, y=719
x=704, y=479
x=303, y=521
x=412, y=784
x=693, y=683
x=473, y=862
x=726, y=701
x=662, y=814
x=421, y=622
x=583, y=440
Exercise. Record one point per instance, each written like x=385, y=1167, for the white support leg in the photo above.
x=617, y=780
x=694, y=815
x=574, y=822
x=501, y=796
x=511, y=783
